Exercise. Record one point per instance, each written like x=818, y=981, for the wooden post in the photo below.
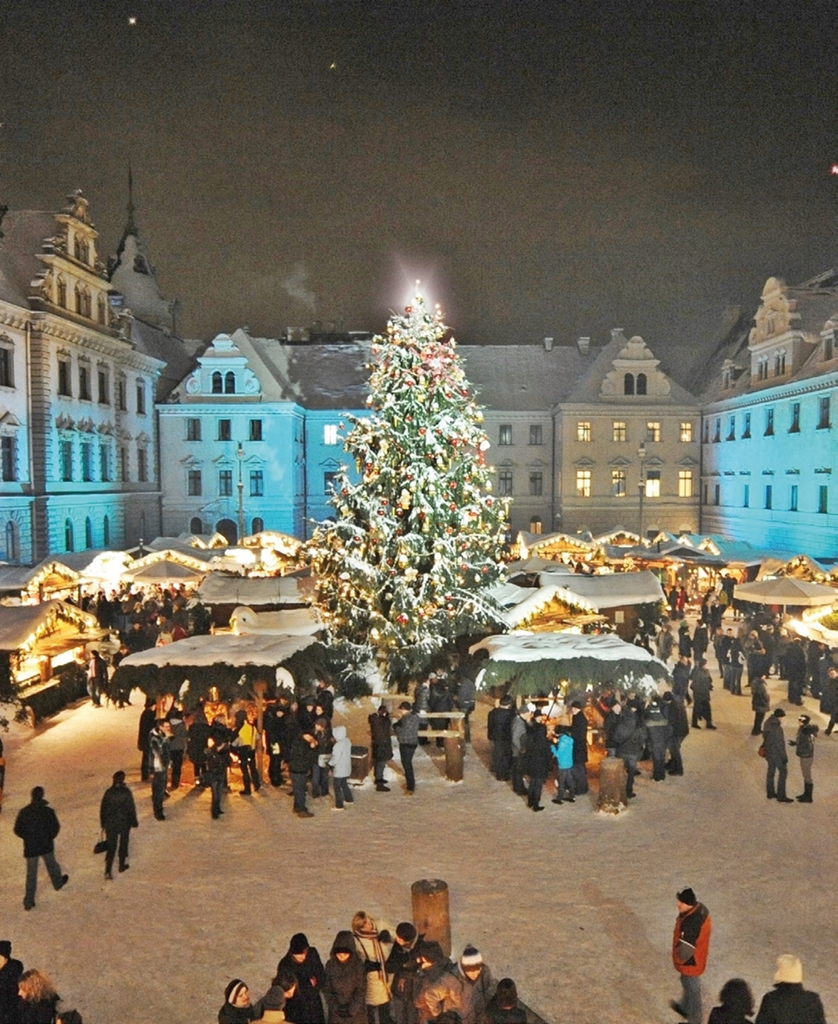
x=612, y=785
x=431, y=915
x=455, y=750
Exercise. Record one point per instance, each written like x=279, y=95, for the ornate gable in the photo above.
x=635, y=372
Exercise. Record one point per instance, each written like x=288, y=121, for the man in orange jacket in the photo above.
x=690, y=945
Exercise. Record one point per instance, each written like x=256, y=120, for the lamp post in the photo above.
x=641, y=486
x=240, y=485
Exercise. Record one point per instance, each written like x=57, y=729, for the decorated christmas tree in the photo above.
x=416, y=545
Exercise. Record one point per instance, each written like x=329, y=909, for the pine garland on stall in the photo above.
x=417, y=542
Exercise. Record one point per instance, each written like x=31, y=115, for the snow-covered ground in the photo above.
x=576, y=906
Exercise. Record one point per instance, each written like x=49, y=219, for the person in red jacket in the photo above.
x=690, y=945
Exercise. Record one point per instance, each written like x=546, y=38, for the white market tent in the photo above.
x=610, y=590
x=786, y=591
x=288, y=622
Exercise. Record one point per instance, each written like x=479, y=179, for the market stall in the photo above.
x=786, y=592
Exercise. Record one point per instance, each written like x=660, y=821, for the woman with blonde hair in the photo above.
x=37, y=998
x=370, y=946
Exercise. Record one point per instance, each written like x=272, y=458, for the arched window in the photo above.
x=11, y=542
x=61, y=289
x=229, y=383
x=106, y=531
x=258, y=525
x=68, y=535
x=628, y=384
x=88, y=533
x=79, y=299
x=641, y=383
x=196, y=526
x=217, y=388
x=101, y=310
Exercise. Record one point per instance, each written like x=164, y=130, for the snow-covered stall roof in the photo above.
x=533, y=663
x=50, y=572
x=531, y=602
x=288, y=622
x=220, y=649
x=21, y=624
x=163, y=571
x=251, y=591
x=610, y=590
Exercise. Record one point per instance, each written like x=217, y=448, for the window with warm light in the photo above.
x=653, y=431
x=618, y=430
x=330, y=433
x=583, y=483
x=685, y=483
x=618, y=483
x=653, y=483
x=535, y=525
x=583, y=430
x=685, y=432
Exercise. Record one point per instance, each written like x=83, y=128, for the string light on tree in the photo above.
x=408, y=564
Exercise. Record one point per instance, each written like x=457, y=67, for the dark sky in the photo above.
x=548, y=168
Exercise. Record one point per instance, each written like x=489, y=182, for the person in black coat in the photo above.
x=382, y=745
x=538, y=759
x=737, y=1004
x=304, y=963
x=499, y=732
x=10, y=972
x=302, y=754
x=579, y=734
x=789, y=1002
x=37, y=825
x=148, y=716
x=796, y=671
x=117, y=816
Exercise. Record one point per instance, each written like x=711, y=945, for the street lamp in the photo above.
x=641, y=486
x=240, y=457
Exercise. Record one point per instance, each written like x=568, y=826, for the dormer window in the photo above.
x=82, y=301
x=229, y=383
x=727, y=379
x=641, y=383
x=780, y=363
x=628, y=384
x=762, y=368
x=61, y=292
x=828, y=347
x=217, y=383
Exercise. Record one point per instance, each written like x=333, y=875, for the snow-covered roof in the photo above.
x=19, y=577
x=221, y=649
x=288, y=622
x=526, y=647
x=611, y=590
x=251, y=591
x=21, y=622
x=533, y=601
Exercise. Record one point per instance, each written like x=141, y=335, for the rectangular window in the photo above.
x=618, y=430
x=704, y=493
x=685, y=483
x=329, y=480
x=769, y=423
x=104, y=390
x=7, y=459
x=746, y=425
x=769, y=495
x=86, y=461
x=505, y=434
x=705, y=432
x=653, y=483
x=122, y=463
x=536, y=435
x=64, y=378
x=746, y=496
x=6, y=376
x=141, y=398
x=194, y=483
x=120, y=395
x=794, y=428
x=717, y=430
x=583, y=483
x=536, y=484
x=330, y=433
x=823, y=499
x=823, y=413
x=104, y=462
x=717, y=494
x=828, y=346
x=505, y=483
x=731, y=428
x=255, y=430
x=225, y=483
x=84, y=383
x=142, y=465
x=193, y=429
x=653, y=431
x=793, y=498
x=618, y=483
x=583, y=431
x=225, y=430
x=686, y=432
x=257, y=483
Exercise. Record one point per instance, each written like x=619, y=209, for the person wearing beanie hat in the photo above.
x=10, y=972
x=804, y=744
x=117, y=816
x=303, y=961
x=789, y=1002
x=499, y=734
x=777, y=758
x=465, y=989
x=345, y=986
x=406, y=728
x=37, y=825
x=690, y=946
x=237, y=1008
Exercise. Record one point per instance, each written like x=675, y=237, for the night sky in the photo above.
x=553, y=168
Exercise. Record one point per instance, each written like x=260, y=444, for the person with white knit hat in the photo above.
x=789, y=1002
x=466, y=989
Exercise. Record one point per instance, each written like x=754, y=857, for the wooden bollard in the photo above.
x=612, y=785
x=455, y=752
x=431, y=915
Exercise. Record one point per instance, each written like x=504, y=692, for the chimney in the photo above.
x=548, y=344
x=583, y=344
